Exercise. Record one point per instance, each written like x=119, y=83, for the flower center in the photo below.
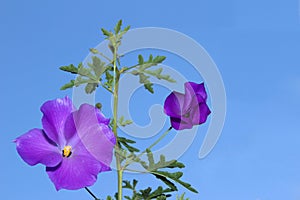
x=67, y=151
x=187, y=115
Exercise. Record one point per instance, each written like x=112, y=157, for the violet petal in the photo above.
x=101, y=118
x=75, y=172
x=204, y=112
x=173, y=105
x=98, y=139
x=199, y=89
x=179, y=124
x=55, y=115
x=34, y=147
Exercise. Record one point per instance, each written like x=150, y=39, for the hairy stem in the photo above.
x=115, y=126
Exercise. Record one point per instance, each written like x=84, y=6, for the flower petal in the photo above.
x=179, y=124
x=55, y=115
x=97, y=138
x=199, y=89
x=75, y=172
x=173, y=105
x=35, y=147
x=101, y=118
x=97, y=141
x=204, y=112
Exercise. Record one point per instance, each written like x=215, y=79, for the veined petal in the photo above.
x=97, y=137
x=75, y=172
x=55, y=115
x=35, y=147
x=99, y=141
x=173, y=106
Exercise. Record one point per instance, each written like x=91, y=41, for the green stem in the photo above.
x=159, y=139
x=115, y=126
x=91, y=193
x=128, y=162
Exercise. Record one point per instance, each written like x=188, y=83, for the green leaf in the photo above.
x=141, y=60
x=118, y=27
x=97, y=66
x=94, y=51
x=123, y=122
x=175, y=176
x=90, y=87
x=157, y=73
x=159, y=59
x=167, y=177
x=149, y=87
x=69, y=68
x=68, y=85
x=109, y=198
x=181, y=197
x=86, y=72
x=109, y=80
x=127, y=185
x=106, y=32
x=124, y=142
x=142, y=70
x=126, y=29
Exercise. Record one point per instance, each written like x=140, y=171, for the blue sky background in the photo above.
x=255, y=45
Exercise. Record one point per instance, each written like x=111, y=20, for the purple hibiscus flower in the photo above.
x=188, y=109
x=74, y=145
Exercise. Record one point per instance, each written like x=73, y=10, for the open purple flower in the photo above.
x=188, y=109
x=74, y=145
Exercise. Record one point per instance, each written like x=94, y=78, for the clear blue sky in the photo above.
x=255, y=44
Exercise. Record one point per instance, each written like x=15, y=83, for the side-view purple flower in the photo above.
x=188, y=109
x=74, y=145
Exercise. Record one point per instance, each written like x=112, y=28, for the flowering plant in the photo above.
x=76, y=145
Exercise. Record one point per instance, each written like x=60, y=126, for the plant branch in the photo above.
x=91, y=193
x=128, y=162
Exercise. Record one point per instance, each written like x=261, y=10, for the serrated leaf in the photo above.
x=69, y=68
x=90, y=87
x=157, y=73
x=175, y=176
x=109, y=79
x=85, y=72
x=159, y=59
x=142, y=70
x=127, y=185
x=97, y=66
x=68, y=85
x=166, y=181
x=123, y=122
x=124, y=142
x=149, y=87
x=165, y=176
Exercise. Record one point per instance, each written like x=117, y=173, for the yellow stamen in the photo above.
x=67, y=151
